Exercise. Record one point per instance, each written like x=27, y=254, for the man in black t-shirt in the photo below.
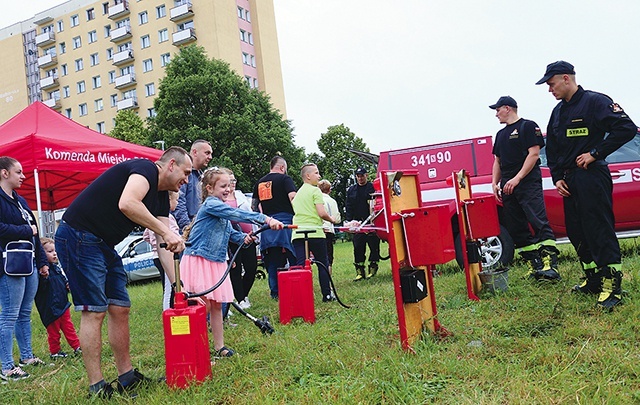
x=272, y=195
x=517, y=182
x=134, y=192
x=358, y=207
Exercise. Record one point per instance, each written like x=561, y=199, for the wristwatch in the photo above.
x=594, y=153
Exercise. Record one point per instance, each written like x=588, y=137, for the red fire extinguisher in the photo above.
x=186, y=339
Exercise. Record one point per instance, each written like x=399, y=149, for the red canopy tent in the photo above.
x=60, y=157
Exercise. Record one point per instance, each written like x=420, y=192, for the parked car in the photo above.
x=137, y=258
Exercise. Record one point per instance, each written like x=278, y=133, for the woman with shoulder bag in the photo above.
x=21, y=253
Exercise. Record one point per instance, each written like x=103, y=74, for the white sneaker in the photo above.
x=245, y=304
x=14, y=374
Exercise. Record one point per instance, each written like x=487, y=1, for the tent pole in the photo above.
x=38, y=200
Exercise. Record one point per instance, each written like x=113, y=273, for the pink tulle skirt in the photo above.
x=199, y=274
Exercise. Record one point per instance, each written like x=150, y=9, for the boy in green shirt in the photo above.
x=308, y=206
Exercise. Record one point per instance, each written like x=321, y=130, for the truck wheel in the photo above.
x=496, y=251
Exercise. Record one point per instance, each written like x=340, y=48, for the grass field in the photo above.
x=534, y=344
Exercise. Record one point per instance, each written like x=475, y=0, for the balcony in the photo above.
x=184, y=36
x=49, y=82
x=47, y=60
x=181, y=12
x=46, y=38
x=118, y=10
x=121, y=33
x=123, y=57
x=125, y=81
x=42, y=20
x=53, y=103
x=127, y=103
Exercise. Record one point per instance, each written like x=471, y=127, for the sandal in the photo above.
x=223, y=352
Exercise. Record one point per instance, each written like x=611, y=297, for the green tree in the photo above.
x=203, y=98
x=130, y=127
x=338, y=164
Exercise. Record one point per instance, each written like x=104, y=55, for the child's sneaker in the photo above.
x=34, y=361
x=14, y=374
x=59, y=355
x=78, y=352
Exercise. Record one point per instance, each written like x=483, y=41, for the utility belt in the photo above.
x=595, y=163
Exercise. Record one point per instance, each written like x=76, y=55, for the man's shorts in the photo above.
x=96, y=275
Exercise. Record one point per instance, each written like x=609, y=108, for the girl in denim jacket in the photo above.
x=205, y=261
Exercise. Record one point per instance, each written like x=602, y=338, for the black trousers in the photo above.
x=360, y=242
x=524, y=208
x=248, y=261
x=588, y=215
x=317, y=246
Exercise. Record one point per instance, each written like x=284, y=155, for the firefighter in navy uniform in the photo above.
x=517, y=182
x=358, y=207
x=576, y=152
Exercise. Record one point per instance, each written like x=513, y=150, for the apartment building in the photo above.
x=90, y=59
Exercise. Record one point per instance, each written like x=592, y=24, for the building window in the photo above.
x=129, y=94
x=100, y=127
x=75, y=20
x=112, y=76
x=91, y=14
x=243, y=36
x=161, y=11
x=98, y=105
x=143, y=18
x=60, y=25
x=63, y=48
x=250, y=37
x=149, y=89
x=93, y=37
x=147, y=65
x=151, y=112
x=82, y=109
x=255, y=83
x=107, y=31
x=124, y=47
x=253, y=61
x=163, y=35
x=248, y=80
x=79, y=65
x=247, y=15
x=64, y=69
x=113, y=99
x=165, y=58
x=97, y=82
x=245, y=58
x=240, y=12
x=67, y=112
x=105, y=8
x=145, y=42
x=123, y=23
x=81, y=87
x=94, y=59
x=66, y=92
x=109, y=53
x=77, y=42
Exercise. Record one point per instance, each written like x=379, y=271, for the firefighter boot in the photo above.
x=373, y=269
x=360, y=273
x=591, y=283
x=611, y=282
x=534, y=263
x=549, y=256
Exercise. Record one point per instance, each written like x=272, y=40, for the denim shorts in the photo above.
x=96, y=275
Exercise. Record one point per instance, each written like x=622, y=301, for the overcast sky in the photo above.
x=413, y=72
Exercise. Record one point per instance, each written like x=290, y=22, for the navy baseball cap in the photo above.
x=361, y=170
x=504, y=100
x=557, y=68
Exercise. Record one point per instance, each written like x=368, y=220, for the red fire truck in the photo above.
x=436, y=162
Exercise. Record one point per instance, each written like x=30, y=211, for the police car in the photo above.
x=137, y=258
